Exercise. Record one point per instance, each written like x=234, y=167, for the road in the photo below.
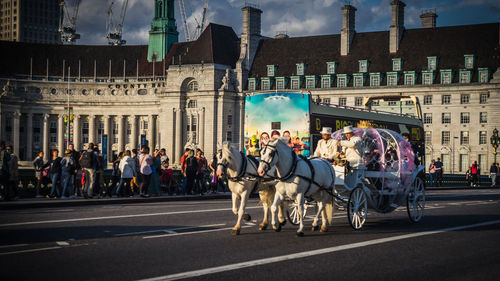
x=458, y=239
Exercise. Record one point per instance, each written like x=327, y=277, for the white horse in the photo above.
x=299, y=178
x=242, y=181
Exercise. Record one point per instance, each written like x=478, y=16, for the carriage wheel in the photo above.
x=357, y=208
x=415, y=202
x=292, y=213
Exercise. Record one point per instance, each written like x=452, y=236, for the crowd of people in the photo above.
x=134, y=173
x=472, y=175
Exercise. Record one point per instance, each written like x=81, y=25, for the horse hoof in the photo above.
x=278, y=229
x=263, y=227
x=300, y=234
x=324, y=229
x=315, y=227
x=247, y=217
x=236, y=232
x=282, y=223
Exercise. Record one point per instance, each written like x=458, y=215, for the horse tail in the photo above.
x=267, y=196
x=329, y=210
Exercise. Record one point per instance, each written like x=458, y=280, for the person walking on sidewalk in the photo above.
x=474, y=170
x=145, y=162
x=493, y=174
x=76, y=156
x=439, y=172
x=88, y=161
x=55, y=173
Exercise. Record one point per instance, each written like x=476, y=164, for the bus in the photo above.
x=302, y=118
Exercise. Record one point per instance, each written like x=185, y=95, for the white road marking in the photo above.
x=62, y=243
x=171, y=231
x=121, y=217
x=29, y=251
x=191, y=232
x=12, y=246
x=306, y=254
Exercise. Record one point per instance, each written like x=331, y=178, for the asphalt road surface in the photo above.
x=458, y=239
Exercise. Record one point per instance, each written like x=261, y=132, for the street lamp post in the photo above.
x=495, y=140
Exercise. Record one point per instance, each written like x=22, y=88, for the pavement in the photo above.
x=191, y=240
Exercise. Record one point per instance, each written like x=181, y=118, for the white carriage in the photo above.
x=388, y=178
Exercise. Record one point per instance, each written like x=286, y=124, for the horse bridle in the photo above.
x=241, y=172
x=273, y=153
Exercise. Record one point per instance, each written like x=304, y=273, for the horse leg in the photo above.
x=241, y=212
x=324, y=217
x=300, y=208
x=281, y=215
x=263, y=225
x=274, y=211
x=234, y=198
x=316, y=216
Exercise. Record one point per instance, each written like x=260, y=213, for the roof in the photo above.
x=217, y=44
x=449, y=44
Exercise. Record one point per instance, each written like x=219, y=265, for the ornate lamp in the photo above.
x=495, y=140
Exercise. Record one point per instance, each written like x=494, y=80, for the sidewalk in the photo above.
x=24, y=203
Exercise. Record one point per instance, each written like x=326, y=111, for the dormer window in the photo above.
x=300, y=68
x=465, y=76
x=265, y=83
x=359, y=80
x=446, y=77
x=432, y=63
x=363, y=66
x=410, y=78
x=392, y=79
x=396, y=64
x=271, y=70
x=427, y=77
x=484, y=75
x=326, y=81
x=375, y=79
x=311, y=82
x=252, y=84
x=331, y=67
x=280, y=83
x=469, y=61
x=296, y=82
x=342, y=80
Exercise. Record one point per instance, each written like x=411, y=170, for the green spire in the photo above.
x=163, y=31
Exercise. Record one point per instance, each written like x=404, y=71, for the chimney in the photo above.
x=347, y=32
x=397, y=25
x=428, y=19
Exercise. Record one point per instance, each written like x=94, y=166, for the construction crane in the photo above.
x=114, y=32
x=67, y=23
x=200, y=25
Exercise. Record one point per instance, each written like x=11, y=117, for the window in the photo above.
x=396, y=64
x=464, y=137
x=482, y=137
x=331, y=67
x=392, y=79
x=115, y=128
x=229, y=136
x=230, y=120
x=342, y=101
x=53, y=131
x=483, y=75
x=445, y=76
x=483, y=117
x=410, y=78
x=445, y=137
x=300, y=69
x=192, y=104
x=464, y=117
x=374, y=80
x=342, y=81
x=270, y=70
x=445, y=118
x=464, y=98
x=325, y=82
x=428, y=99
x=144, y=125
x=483, y=98
x=427, y=118
x=193, y=86
x=358, y=81
x=469, y=61
x=129, y=132
x=310, y=82
x=358, y=101
x=265, y=85
x=427, y=78
x=428, y=137
x=100, y=131
x=295, y=84
x=481, y=160
x=464, y=162
x=446, y=99
x=464, y=77
x=251, y=84
x=363, y=66
x=431, y=63
x=280, y=84
x=326, y=100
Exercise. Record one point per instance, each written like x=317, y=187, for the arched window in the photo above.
x=192, y=86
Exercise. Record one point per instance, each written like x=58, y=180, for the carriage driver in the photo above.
x=352, y=146
x=327, y=146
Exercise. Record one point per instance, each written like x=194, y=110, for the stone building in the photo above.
x=195, y=92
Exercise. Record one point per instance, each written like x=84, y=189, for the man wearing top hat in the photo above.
x=326, y=147
x=352, y=146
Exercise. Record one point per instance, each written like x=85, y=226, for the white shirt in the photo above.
x=326, y=149
x=353, y=150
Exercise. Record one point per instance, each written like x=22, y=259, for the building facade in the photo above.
x=35, y=21
x=195, y=95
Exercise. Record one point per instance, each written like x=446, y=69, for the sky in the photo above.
x=295, y=17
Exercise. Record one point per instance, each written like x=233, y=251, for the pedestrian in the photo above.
x=166, y=176
x=200, y=174
x=38, y=165
x=127, y=173
x=154, y=186
x=99, y=189
x=55, y=174
x=474, y=170
x=68, y=171
x=190, y=171
x=12, y=190
x=439, y=172
x=214, y=182
x=145, y=162
x=468, y=177
x=432, y=173
x=115, y=174
x=134, y=185
x=88, y=162
x=4, y=169
x=76, y=184
x=183, y=169
x=493, y=174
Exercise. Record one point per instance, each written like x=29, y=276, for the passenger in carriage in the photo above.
x=326, y=147
x=353, y=147
x=275, y=134
x=286, y=134
x=264, y=139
